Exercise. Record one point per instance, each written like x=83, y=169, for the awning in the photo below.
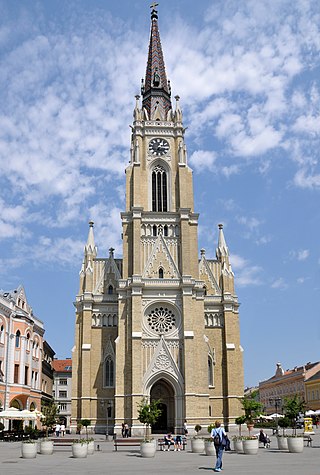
x=14, y=413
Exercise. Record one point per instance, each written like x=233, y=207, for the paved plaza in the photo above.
x=106, y=461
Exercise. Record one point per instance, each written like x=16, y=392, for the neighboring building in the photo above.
x=159, y=323
x=312, y=390
x=21, y=350
x=62, y=387
x=47, y=374
x=286, y=384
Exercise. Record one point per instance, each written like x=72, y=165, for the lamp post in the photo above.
x=277, y=403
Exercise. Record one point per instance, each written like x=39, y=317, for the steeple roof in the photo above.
x=155, y=89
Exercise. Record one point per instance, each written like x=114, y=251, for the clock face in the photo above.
x=158, y=146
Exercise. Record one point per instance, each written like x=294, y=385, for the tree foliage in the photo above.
x=292, y=408
x=85, y=423
x=149, y=413
x=50, y=412
x=251, y=406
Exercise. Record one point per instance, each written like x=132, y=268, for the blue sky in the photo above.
x=248, y=76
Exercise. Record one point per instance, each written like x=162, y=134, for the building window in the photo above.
x=165, y=230
x=28, y=341
x=110, y=290
x=2, y=334
x=16, y=374
x=63, y=394
x=109, y=371
x=160, y=273
x=63, y=406
x=63, y=382
x=210, y=371
x=159, y=189
x=18, y=334
x=26, y=370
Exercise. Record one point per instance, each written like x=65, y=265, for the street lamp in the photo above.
x=108, y=404
x=277, y=403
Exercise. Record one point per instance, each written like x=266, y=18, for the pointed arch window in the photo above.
x=160, y=273
x=210, y=371
x=109, y=372
x=18, y=334
x=2, y=334
x=165, y=230
x=154, y=230
x=110, y=290
x=159, y=189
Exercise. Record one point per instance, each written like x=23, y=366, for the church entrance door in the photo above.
x=163, y=391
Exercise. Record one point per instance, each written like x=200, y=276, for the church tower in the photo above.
x=158, y=323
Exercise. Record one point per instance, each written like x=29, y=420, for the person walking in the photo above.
x=218, y=434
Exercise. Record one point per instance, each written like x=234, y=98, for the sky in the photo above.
x=247, y=73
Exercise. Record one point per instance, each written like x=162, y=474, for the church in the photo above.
x=162, y=322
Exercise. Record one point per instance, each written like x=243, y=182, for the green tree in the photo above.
x=239, y=421
x=85, y=423
x=292, y=408
x=50, y=412
x=148, y=413
x=251, y=406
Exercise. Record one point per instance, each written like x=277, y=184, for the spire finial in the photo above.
x=154, y=12
x=111, y=251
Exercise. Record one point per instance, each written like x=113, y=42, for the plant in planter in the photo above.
x=284, y=422
x=252, y=408
x=292, y=408
x=208, y=443
x=85, y=423
x=50, y=412
x=29, y=449
x=238, y=443
x=79, y=448
x=90, y=443
x=148, y=414
x=250, y=445
x=197, y=443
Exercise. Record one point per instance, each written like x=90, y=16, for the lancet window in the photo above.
x=159, y=189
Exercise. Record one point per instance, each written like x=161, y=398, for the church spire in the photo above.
x=222, y=250
x=90, y=248
x=155, y=89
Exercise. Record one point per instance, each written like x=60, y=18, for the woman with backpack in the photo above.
x=218, y=435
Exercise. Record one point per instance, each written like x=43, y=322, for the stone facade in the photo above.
x=286, y=384
x=21, y=353
x=159, y=323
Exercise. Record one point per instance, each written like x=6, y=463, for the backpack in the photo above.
x=216, y=440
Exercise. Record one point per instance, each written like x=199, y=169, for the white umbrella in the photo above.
x=317, y=411
x=14, y=413
x=310, y=412
x=275, y=415
x=265, y=417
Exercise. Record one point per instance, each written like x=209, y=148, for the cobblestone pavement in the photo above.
x=106, y=461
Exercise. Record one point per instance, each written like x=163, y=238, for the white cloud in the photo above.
x=279, y=284
x=304, y=180
x=303, y=254
x=246, y=274
x=203, y=159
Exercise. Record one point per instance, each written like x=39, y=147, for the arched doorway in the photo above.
x=163, y=391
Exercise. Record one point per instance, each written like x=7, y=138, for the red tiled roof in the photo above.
x=62, y=366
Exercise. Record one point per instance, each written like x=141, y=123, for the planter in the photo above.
x=295, y=444
x=46, y=447
x=91, y=447
x=148, y=449
x=197, y=446
x=29, y=450
x=209, y=448
x=250, y=446
x=79, y=450
x=238, y=446
x=282, y=443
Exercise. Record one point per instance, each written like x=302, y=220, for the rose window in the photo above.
x=161, y=320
